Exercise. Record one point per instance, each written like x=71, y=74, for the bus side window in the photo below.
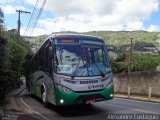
x=41, y=59
x=48, y=58
x=54, y=61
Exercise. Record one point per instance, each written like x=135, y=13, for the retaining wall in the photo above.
x=138, y=83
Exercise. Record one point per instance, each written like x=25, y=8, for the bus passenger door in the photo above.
x=49, y=73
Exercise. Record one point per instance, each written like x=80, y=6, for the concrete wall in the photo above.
x=138, y=83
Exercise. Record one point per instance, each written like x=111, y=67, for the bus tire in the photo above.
x=44, y=97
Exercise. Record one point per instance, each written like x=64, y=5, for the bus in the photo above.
x=70, y=69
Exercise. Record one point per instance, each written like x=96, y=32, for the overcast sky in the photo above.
x=86, y=15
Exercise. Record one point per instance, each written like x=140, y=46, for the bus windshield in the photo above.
x=81, y=60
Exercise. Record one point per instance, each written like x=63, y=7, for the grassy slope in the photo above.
x=117, y=38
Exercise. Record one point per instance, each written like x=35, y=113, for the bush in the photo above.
x=13, y=51
x=138, y=63
x=145, y=62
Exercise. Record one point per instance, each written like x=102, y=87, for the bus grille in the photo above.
x=82, y=82
x=88, y=81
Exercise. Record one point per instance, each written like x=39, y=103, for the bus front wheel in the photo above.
x=44, y=97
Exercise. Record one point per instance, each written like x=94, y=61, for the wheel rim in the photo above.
x=44, y=96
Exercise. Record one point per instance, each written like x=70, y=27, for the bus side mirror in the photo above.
x=112, y=54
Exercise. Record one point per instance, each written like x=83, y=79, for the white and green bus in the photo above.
x=70, y=69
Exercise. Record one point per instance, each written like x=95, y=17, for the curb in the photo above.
x=138, y=98
x=19, y=92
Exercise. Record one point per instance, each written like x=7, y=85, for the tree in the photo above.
x=13, y=52
x=1, y=16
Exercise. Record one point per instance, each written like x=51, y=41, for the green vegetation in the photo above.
x=138, y=63
x=13, y=54
x=120, y=38
x=117, y=38
x=145, y=62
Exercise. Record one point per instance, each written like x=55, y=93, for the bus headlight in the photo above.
x=111, y=95
x=64, y=89
x=61, y=101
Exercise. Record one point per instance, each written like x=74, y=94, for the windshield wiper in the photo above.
x=102, y=74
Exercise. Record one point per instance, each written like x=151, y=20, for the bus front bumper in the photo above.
x=72, y=98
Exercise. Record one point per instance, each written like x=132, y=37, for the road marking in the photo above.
x=138, y=101
x=25, y=104
x=133, y=109
x=30, y=108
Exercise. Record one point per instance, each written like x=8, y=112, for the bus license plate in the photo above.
x=90, y=101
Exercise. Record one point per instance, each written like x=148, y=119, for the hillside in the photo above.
x=116, y=38
x=120, y=38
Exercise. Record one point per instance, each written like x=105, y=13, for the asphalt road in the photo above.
x=113, y=109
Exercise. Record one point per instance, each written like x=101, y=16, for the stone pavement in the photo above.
x=12, y=105
x=14, y=109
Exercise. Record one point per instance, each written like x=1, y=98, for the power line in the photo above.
x=36, y=13
x=30, y=18
x=38, y=16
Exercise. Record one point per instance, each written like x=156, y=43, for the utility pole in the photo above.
x=128, y=61
x=130, y=54
x=19, y=18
